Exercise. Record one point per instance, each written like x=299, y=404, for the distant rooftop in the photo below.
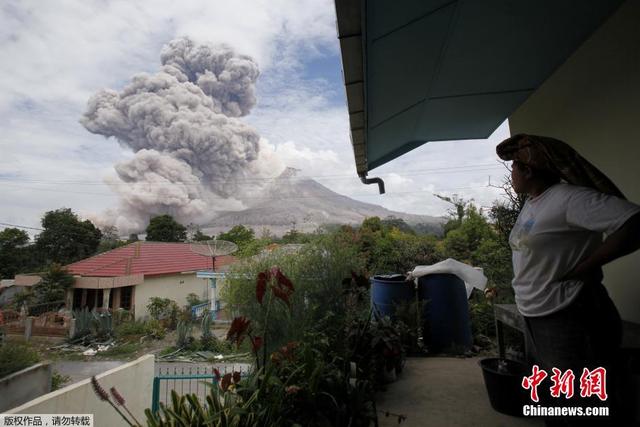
x=147, y=258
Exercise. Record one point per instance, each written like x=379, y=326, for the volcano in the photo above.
x=304, y=204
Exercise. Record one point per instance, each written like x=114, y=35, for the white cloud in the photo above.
x=57, y=54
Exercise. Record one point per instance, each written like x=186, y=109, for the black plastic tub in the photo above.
x=504, y=385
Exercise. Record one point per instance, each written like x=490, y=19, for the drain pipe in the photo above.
x=369, y=181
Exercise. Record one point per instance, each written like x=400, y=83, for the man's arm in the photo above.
x=623, y=242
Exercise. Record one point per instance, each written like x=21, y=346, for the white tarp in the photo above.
x=473, y=277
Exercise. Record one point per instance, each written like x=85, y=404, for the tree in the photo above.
x=393, y=222
x=163, y=228
x=199, y=236
x=456, y=215
x=11, y=252
x=239, y=234
x=504, y=213
x=54, y=285
x=463, y=240
x=66, y=238
x=110, y=239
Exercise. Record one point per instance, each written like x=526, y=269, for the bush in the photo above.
x=164, y=310
x=94, y=323
x=192, y=299
x=317, y=270
x=126, y=329
x=15, y=357
x=155, y=329
x=58, y=380
x=184, y=339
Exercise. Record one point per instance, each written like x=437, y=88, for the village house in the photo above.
x=128, y=277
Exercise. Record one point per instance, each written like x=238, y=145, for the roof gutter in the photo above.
x=351, y=23
x=369, y=181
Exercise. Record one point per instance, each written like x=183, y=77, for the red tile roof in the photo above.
x=148, y=258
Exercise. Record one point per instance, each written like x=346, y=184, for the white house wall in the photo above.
x=175, y=287
x=593, y=103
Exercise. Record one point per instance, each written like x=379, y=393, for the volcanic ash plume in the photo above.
x=181, y=122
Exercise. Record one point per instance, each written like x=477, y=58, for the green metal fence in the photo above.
x=188, y=379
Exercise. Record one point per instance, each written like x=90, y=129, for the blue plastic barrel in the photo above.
x=388, y=290
x=446, y=324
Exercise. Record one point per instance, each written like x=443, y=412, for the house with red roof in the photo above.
x=127, y=277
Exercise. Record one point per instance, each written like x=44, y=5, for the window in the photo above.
x=126, y=297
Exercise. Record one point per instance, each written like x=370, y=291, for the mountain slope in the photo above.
x=305, y=204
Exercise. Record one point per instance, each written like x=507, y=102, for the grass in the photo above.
x=58, y=380
x=15, y=357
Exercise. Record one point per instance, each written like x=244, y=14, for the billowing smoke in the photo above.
x=182, y=124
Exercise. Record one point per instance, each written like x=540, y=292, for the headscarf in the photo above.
x=553, y=155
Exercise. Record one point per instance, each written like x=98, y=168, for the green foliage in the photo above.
x=253, y=247
x=12, y=255
x=391, y=222
x=83, y=323
x=199, y=236
x=110, y=239
x=134, y=328
x=163, y=228
x=388, y=249
x=317, y=271
x=15, y=357
x=165, y=310
x=154, y=329
x=54, y=285
x=309, y=385
x=462, y=241
x=207, y=340
x=184, y=337
x=24, y=297
x=66, y=238
x=239, y=234
x=376, y=347
x=295, y=236
x=58, y=380
x=102, y=325
x=193, y=299
x=98, y=325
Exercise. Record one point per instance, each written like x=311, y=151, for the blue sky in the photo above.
x=56, y=55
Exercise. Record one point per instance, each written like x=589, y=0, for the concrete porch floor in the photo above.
x=443, y=391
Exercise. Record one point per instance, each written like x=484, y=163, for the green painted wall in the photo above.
x=593, y=103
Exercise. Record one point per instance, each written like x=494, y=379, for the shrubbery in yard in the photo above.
x=317, y=270
x=310, y=381
x=165, y=310
x=58, y=380
x=15, y=357
x=193, y=299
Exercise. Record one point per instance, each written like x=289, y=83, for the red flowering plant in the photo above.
x=281, y=288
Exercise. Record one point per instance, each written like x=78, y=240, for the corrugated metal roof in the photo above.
x=148, y=258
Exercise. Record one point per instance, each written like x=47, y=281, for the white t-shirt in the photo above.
x=554, y=232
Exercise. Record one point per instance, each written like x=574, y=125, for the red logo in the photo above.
x=562, y=383
x=591, y=383
x=534, y=381
x=594, y=382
